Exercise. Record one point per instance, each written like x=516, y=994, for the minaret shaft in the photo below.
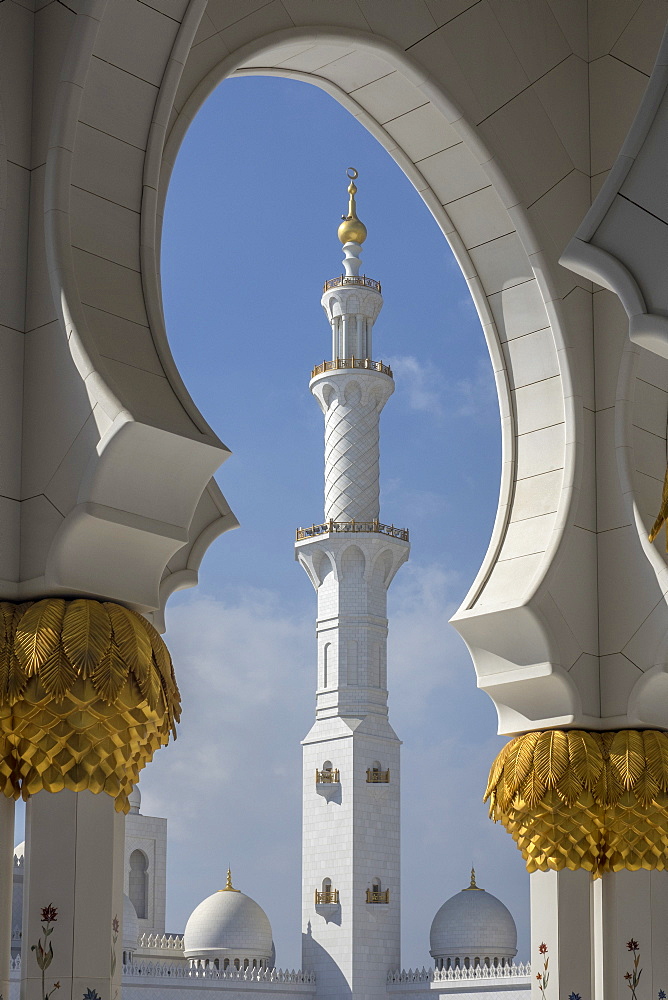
x=351, y=755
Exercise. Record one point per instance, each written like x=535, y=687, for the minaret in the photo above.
x=350, y=866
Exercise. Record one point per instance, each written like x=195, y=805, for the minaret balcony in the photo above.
x=339, y=364
x=378, y=897
x=352, y=279
x=330, y=776
x=363, y=527
x=326, y=897
x=375, y=776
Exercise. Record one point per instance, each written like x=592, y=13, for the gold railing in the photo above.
x=376, y=777
x=377, y=897
x=339, y=364
x=327, y=896
x=328, y=777
x=332, y=527
x=352, y=279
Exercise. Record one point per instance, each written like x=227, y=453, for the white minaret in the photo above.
x=350, y=866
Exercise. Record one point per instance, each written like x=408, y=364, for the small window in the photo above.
x=138, y=883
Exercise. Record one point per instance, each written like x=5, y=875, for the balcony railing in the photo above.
x=334, y=527
x=326, y=896
x=376, y=777
x=338, y=364
x=352, y=279
x=378, y=897
x=330, y=776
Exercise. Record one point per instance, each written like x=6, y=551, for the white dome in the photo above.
x=472, y=925
x=229, y=925
x=130, y=925
x=19, y=850
x=134, y=798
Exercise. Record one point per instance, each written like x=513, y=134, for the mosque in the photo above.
x=351, y=768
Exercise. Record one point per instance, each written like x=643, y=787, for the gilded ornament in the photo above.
x=352, y=230
x=662, y=516
x=87, y=695
x=573, y=799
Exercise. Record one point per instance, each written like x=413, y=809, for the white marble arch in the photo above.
x=489, y=110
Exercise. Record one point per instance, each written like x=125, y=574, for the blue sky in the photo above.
x=250, y=236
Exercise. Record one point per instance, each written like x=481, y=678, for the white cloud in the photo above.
x=420, y=383
x=424, y=388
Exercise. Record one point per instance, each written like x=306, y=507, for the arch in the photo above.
x=478, y=185
x=138, y=883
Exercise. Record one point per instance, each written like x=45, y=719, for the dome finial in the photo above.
x=351, y=229
x=473, y=883
x=228, y=885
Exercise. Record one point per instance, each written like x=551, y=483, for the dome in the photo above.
x=473, y=927
x=130, y=925
x=228, y=926
x=134, y=798
x=19, y=850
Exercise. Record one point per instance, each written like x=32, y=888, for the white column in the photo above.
x=6, y=885
x=633, y=908
x=74, y=863
x=561, y=920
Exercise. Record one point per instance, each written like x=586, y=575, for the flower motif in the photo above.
x=539, y=976
x=91, y=995
x=632, y=945
x=542, y=948
x=576, y=996
x=115, y=926
x=49, y=914
x=627, y=975
x=662, y=995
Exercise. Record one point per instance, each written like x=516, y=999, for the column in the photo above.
x=561, y=934
x=6, y=886
x=632, y=917
x=73, y=897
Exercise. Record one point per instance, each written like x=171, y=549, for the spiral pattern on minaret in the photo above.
x=352, y=456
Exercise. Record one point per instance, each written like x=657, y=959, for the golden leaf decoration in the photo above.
x=6, y=644
x=54, y=646
x=663, y=512
x=646, y=788
x=532, y=789
x=569, y=788
x=656, y=756
x=86, y=635
x=627, y=756
x=585, y=757
x=551, y=757
x=608, y=790
x=519, y=761
x=110, y=674
x=38, y=634
x=497, y=767
x=18, y=679
x=57, y=675
x=132, y=641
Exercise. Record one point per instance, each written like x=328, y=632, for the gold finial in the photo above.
x=351, y=229
x=228, y=885
x=473, y=885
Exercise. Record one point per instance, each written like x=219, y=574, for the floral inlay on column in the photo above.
x=115, y=927
x=633, y=978
x=44, y=954
x=91, y=995
x=544, y=976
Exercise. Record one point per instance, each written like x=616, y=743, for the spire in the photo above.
x=352, y=232
x=351, y=229
x=228, y=885
x=473, y=885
